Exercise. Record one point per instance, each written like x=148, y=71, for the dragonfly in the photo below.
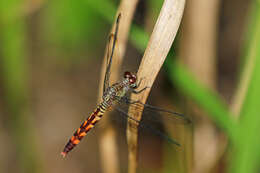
x=116, y=94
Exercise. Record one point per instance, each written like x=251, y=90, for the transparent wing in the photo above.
x=108, y=63
x=110, y=56
x=147, y=126
x=153, y=113
x=152, y=118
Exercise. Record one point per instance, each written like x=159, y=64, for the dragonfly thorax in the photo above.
x=117, y=91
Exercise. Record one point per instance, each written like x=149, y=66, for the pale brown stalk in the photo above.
x=158, y=47
x=198, y=52
x=108, y=147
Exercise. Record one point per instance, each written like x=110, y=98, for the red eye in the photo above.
x=127, y=74
x=132, y=80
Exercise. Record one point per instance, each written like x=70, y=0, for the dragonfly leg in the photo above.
x=137, y=86
x=138, y=92
x=139, y=82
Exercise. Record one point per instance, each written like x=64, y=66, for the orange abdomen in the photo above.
x=83, y=129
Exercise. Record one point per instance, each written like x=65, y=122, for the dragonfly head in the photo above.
x=131, y=78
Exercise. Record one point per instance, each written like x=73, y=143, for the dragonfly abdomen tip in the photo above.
x=63, y=154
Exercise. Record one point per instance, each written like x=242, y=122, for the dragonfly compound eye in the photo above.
x=132, y=79
x=127, y=74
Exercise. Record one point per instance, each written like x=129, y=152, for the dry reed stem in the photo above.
x=158, y=47
x=108, y=148
x=198, y=52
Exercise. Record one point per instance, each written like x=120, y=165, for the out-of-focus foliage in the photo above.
x=245, y=144
x=208, y=100
x=15, y=77
x=246, y=150
x=74, y=25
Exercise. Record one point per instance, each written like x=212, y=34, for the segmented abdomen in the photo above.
x=84, y=128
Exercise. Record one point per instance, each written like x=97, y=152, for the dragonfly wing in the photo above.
x=108, y=66
x=110, y=56
x=154, y=113
x=145, y=125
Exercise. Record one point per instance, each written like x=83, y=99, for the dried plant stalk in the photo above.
x=199, y=38
x=158, y=47
x=108, y=148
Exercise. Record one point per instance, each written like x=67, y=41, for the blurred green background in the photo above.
x=50, y=61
